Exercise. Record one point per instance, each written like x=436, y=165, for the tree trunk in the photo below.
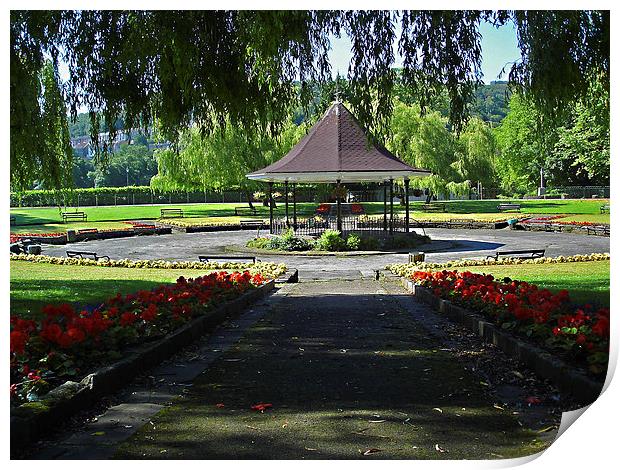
x=248, y=195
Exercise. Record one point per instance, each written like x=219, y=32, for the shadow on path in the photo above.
x=347, y=371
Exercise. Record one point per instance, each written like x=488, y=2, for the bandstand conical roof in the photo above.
x=337, y=148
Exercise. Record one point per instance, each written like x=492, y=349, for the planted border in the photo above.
x=30, y=420
x=568, y=377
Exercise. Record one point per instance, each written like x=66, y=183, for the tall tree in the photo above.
x=41, y=150
x=186, y=66
x=221, y=160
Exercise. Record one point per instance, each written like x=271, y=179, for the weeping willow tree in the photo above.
x=184, y=67
x=220, y=160
x=47, y=158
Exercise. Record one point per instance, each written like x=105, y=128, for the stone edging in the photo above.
x=80, y=237
x=30, y=421
x=566, y=378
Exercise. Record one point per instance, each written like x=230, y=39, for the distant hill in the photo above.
x=491, y=102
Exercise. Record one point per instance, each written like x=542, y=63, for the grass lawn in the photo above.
x=48, y=219
x=59, y=227
x=587, y=282
x=34, y=285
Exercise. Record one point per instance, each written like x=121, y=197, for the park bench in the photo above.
x=74, y=215
x=172, y=213
x=598, y=230
x=13, y=220
x=251, y=223
x=605, y=209
x=245, y=211
x=85, y=255
x=519, y=254
x=207, y=258
x=508, y=207
x=434, y=207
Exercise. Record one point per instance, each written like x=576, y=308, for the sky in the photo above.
x=499, y=47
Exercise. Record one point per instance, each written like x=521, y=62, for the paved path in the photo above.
x=349, y=371
x=452, y=243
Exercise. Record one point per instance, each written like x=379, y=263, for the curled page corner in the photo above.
x=568, y=418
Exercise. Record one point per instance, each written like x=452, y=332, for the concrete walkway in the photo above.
x=447, y=244
x=350, y=373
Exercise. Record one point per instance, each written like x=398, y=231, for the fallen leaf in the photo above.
x=370, y=451
x=163, y=451
x=261, y=407
x=310, y=449
x=438, y=409
x=220, y=405
x=375, y=421
x=440, y=449
x=252, y=427
x=98, y=433
x=518, y=374
x=498, y=407
x=548, y=428
x=533, y=400
x=285, y=424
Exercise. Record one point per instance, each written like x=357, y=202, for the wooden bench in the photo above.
x=598, y=229
x=605, y=209
x=74, y=215
x=85, y=255
x=518, y=254
x=434, y=207
x=251, y=223
x=207, y=258
x=245, y=211
x=508, y=207
x=172, y=213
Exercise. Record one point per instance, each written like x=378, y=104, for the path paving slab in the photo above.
x=350, y=373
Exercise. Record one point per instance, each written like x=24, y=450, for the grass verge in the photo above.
x=34, y=285
x=587, y=282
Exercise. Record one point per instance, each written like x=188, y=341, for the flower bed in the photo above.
x=67, y=343
x=267, y=270
x=546, y=219
x=407, y=269
x=578, y=334
x=15, y=237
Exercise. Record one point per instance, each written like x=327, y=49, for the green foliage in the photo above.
x=247, y=68
x=330, y=240
x=39, y=129
x=136, y=158
x=220, y=160
x=584, y=143
x=286, y=242
x=353, y=242
x=491, y=103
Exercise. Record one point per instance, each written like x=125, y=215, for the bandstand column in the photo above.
x=385, y=206
x=338, y=211
x=286, y=202
x=406, y=205
x=294, y=206
x=391, y=206
x=271, y=207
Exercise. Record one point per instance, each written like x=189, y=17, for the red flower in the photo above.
x=127, y=319
x=18, y=341
x=150, y=313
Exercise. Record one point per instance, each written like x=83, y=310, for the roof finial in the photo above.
x=337, y=92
